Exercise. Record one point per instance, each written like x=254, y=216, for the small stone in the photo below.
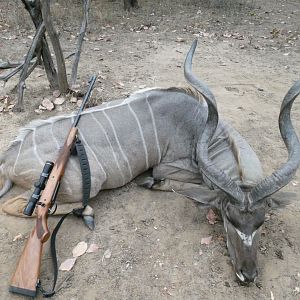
x=59, y=100
x=48, y=104
x=227, y=284
x=206, y=240
x=56, y=93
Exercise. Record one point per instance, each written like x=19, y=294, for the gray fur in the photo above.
x=156, y=129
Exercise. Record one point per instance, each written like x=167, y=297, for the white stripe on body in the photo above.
x=111, y=147
x=155, y=130
x=54, y=138
x=118, y=142
x=196, y=115
x=35, y=149
x=15, y=164
x=142, y=135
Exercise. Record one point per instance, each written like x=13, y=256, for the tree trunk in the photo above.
x=60, y=61
x=34, y=10
x=129, y=4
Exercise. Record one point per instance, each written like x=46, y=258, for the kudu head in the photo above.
x=244, y=207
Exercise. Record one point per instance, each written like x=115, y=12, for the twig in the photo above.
x=25, y=70
x=19, y=67
x=61, y=284
x=6, y=77
x=61, y=68
x=70, y=55
x=86, y=6
x=9, y=65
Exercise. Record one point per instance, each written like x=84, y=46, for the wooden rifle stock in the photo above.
x=26, y=277
x=24, y=280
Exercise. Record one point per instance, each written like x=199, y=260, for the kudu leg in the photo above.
x=15, y=207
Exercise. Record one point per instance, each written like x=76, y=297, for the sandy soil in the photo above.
x=249, y=55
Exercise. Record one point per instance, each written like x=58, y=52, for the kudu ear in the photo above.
x=203, y=195
x=281, y=200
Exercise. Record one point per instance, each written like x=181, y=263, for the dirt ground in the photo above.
x=249, y=55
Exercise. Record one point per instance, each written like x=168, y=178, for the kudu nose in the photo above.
x=249, y=275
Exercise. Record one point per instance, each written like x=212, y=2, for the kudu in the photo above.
x=177, y=135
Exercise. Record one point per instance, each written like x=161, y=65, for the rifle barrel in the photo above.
x=85, y=99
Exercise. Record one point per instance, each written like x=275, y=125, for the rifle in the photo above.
x=25, y=280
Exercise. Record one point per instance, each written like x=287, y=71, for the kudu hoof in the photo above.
x=89, y=222
x=87, y=214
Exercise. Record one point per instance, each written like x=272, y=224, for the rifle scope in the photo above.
x=39, y=186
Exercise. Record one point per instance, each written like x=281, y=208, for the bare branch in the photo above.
x=86, y=6
x=22, y=86
x=6, y=77
x=70, y=55
x=9, y=65
x=25, y=72
x=61, y=68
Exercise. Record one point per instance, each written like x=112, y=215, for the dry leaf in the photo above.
x=107, y=254
x=211, y=217
x=166, y=290
x=180, y=40
x=92, y=248
x=206, y=240
x=75, y=87
x=48, y=104
x=79, y=102
x=41, y=107
x=295, y=183
x=100, y=76
x=17, y=237
x=73, y=100
x=79, y=249
x=56, y=93
x=38, y=111
x=59, y=100
x=68, y=264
